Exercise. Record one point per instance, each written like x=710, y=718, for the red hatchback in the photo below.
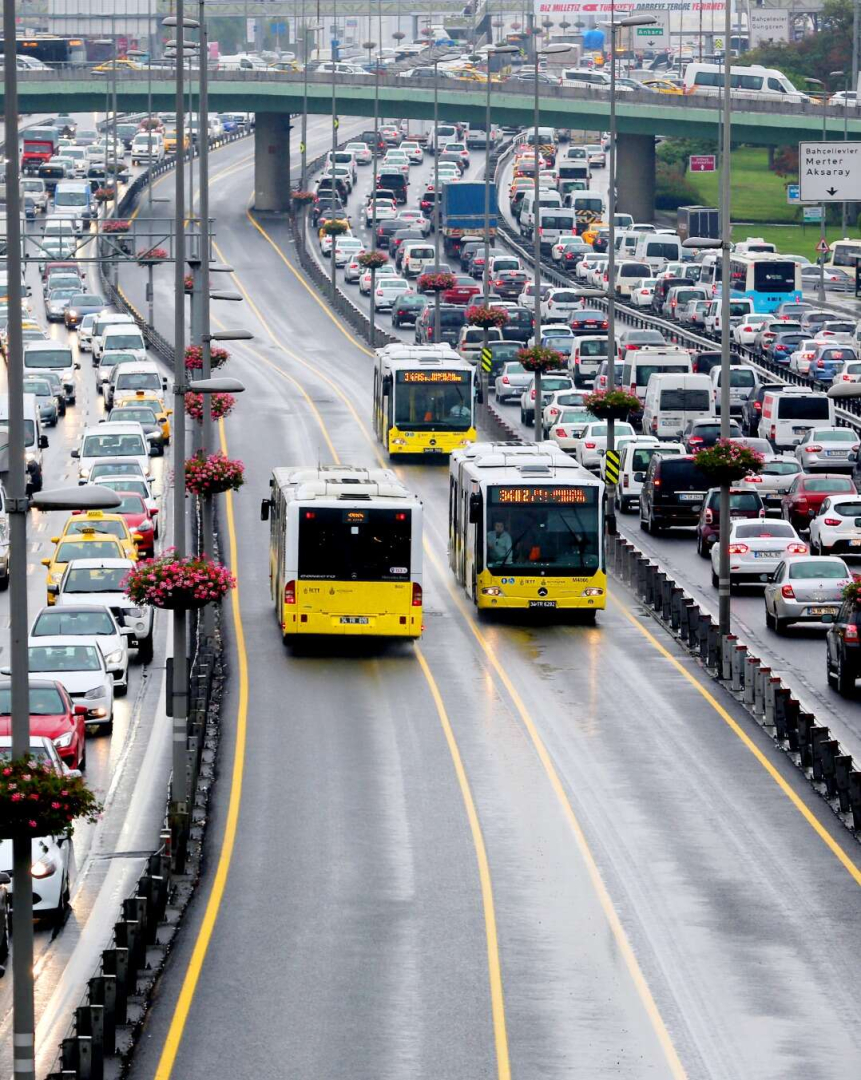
x=808, y=492
x=53, y=715
x=462, y=292
x=139, y=519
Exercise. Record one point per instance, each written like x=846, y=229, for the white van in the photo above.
x=553, y=224
x=596, y=80
x=73, y=203
x=52, y=356
x=633, y=465
x=34, y=443
x=147, y=148
x=587, y=354
x=125, y=337
x=672, y=400
x=787, y=414
x=106, y=319
x=657, y=249
x=548, y=198
x=642, y=364
x=628, y=273
x=743, y=381
x=417, y=256
x=113, y=440
x=754, y=245
x=129, y=377
x=755, y=82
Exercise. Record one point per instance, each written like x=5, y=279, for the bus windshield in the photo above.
x=845, y=254
x=530, y=529
x=359, y=544
x=432, y=400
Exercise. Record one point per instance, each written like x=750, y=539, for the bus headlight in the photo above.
x=491, y=590
x=399, y=442
x=593, y=592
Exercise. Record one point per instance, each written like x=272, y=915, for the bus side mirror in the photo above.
x=387, y=384
x=474, y=509
x=264, y=509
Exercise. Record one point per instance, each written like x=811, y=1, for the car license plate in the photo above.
x=687, y=496
x=355, y=620
x=765, y=554
x=855, y=543
x=836, y=453
x=799, y=430
x=542, y=603
x=822, y=611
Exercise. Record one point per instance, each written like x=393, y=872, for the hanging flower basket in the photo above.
x=399, y=35
x=372, y=260
x=188, y=284
x=170, y=582
x=486, y=317
x=104, y=194
x=36, y=800
x=302, y=198
x=853, y=591
x=436, y=282
x=212, y=474
x=194, y=357
x=540, y=359
x=334, y=228
x=220, y=405
x=116, y=225
x=726, y=462
x=150, y=256
x=612, y=404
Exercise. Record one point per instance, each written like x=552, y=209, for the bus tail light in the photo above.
x=290, y=592
x=417, y=594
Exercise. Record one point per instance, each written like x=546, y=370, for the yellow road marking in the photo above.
x=204, y=936
x=497, y=1000
x=737, y=730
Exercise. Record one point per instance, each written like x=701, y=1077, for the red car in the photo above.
x=139, y=519
x=808, y=492
x=53, y=715
x=464, y=289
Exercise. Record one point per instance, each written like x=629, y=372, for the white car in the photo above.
x=387, y=270
x=413, y=151
x=347, y=248
x=621, y=441
x=756, y=548
x=85, y=333
x=551, y=382
x=836, y=529
x=327, y=241
x=387, y=289
x=99, y=581
x=642, y=292
x=560, y=304
x=849, y=372
x=776, y=477
x=805, y=589
x=803, y=357
x=634, y=461
x=416, y=220
x=88, y=620
x=396, y=159
x=590, y=447
x=567, y=428
x=559, y=400
x=827, y=448
x=745, y=332
x=361, y=152
x=385, y=211
x=78, y=663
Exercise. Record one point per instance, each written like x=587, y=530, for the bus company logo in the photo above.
x=506, y=581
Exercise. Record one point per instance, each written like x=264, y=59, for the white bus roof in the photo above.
x=340, y=483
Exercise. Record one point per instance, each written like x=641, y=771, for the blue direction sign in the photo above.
x=793, y=193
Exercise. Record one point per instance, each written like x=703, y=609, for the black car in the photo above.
x=509, y=283
x=387, y=229
x=407, y=307
x=843, y=648
x=328, y=207
x=588, y=321
x=520, y=326
x=52, y=175
x=637, y=339
x=751, y=410
x=395, y=182
x=703, y=362
x=673, y=493
x=326, y=185
x=375, y=142
x=451, y=319
x=466, y=252
x=700, y=434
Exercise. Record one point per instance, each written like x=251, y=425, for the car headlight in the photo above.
x=84, y=474
x=96, y=692
x=64, y=740
x=43, y=868
x=115, y=657
x=29, y=456
x=73, y=314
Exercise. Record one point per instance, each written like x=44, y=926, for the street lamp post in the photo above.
x=614, y=25
x=547, y=50
x=372, y=327
x=821, y=259
x=437, y=330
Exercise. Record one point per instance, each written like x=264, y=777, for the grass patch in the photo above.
x=757, y=194
x=791, y=239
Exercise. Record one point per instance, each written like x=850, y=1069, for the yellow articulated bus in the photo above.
x=345, y=552
x=526, y=528
x=424, y=399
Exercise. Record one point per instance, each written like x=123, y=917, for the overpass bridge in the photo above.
x=641, y=117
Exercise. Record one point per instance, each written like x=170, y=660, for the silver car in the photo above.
x=772, y=483
x=511, y=381
x=827, y=448
x=806, y=589
x=56, y=303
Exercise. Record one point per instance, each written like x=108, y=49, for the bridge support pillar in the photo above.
x=272, y=162
x=635, y=176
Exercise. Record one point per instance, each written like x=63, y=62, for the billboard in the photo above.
x=683, y=16
x=103, y=18
x=768, y=24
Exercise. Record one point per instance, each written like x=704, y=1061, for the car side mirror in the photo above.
x=80, y=710
x=73, y=774
x=264, y=509
x=639, y=477
x=53, y=589
x=43, y=442
x=76, y=453
x=46, y=562
x=77, y=365
x=126, y=631
x=164, y=382
x=5, y=879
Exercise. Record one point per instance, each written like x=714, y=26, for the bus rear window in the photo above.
x=341, y=544
x=771, y=276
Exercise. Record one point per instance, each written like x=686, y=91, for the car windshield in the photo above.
x=69, y=550
x=572, y=416
x=129, y=445
x=64, y=658
x=86, y=300
x=114, y=468
x=601, y=429
x=95, y=579
x=108, y=528
x=817, y=569
x=534, y=529
x=765, y=529
x=44, y=701
x=48, y=358
x=61, y=622
x=802, y=407
x=142, y=416
x=355, y=545
x=126, y=341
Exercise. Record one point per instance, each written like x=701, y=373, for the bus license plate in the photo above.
x=355, y=620
x=433, y=450
x=542, y=603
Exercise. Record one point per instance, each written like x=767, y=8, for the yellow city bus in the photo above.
x=424, y=399
x=526, y=528
x=345, y=552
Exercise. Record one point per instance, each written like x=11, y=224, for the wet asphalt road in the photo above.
x=662, y=906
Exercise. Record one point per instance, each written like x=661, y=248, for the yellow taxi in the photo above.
x=663, y=86
x=590, y=233
x=87, y=544
x=106, y=524
x=146, y=399
x=170, y=141
x=121, y=64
